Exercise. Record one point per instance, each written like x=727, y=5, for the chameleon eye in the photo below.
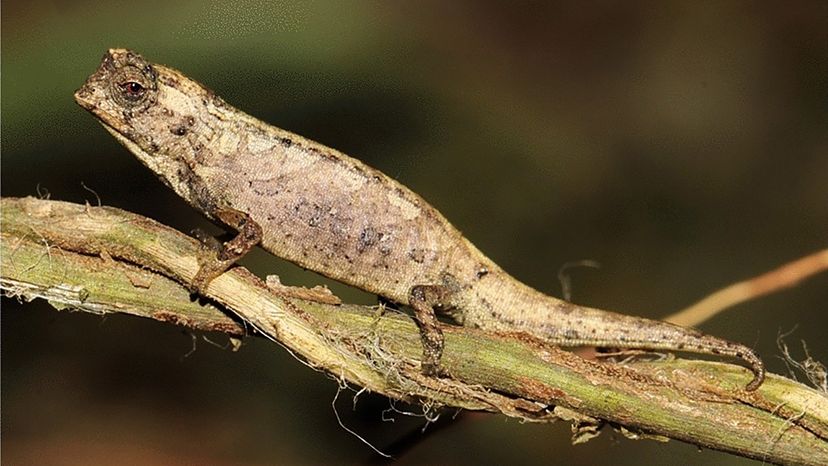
x=132, y=90
x=131, y=87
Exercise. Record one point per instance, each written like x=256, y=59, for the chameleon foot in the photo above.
x=423, y=299
x=216, y=259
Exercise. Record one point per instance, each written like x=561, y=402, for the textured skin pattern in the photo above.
x=332, y=214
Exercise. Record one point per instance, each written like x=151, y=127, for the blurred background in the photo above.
x=682, y=145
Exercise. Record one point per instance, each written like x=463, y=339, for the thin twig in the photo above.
x=783, y=277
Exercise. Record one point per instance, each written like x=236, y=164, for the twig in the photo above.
x=694, y=401
x=785, y=276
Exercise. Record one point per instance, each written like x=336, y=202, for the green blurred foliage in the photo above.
x=683, y=145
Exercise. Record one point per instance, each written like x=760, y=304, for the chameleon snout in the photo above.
x=83, y=97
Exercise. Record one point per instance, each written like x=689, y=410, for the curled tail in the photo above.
x=564, y=324
x=581, y=326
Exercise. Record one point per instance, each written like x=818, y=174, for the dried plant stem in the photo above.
x=783, y=277
x=100, y=259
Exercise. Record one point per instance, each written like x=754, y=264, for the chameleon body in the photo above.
x=332, y=214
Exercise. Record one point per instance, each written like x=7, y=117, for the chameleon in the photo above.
x=334, y=215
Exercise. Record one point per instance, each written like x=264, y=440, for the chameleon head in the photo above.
x=151, y=109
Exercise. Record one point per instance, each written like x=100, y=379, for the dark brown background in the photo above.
x=683, y=145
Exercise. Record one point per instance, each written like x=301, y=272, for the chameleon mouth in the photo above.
x=126, y=142
x=84, y=98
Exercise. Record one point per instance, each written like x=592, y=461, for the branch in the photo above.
x=777, y=279
x=100, y=259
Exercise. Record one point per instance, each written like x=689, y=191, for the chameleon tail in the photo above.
x=565, y=324
x=624, y=331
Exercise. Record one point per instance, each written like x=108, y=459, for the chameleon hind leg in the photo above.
x=424, y=299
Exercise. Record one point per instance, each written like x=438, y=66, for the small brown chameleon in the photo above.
x=332, y=214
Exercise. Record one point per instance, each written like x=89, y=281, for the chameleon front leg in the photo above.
x=423, y=299
x=216, y=260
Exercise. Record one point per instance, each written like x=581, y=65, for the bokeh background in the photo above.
x=683, y=145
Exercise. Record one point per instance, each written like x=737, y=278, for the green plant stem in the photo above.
x=100, y=259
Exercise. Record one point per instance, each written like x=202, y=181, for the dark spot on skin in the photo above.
x=171, y=81
x=150, y=71
x=199, y=192
x=316, y=217
x=715, y=351
x=495, y=315
x=572, y=335
x=417, y=255
x=180, y=130
x=485, y=303
x=680, y=346
x=199, y=152
x=265, y=192
x=311, y=214
x=210, y=98
x=402, y=195
x=190, y=121
x=450, y=282
x=367, y=238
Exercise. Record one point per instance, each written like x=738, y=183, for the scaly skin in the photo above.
x=332, y=214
